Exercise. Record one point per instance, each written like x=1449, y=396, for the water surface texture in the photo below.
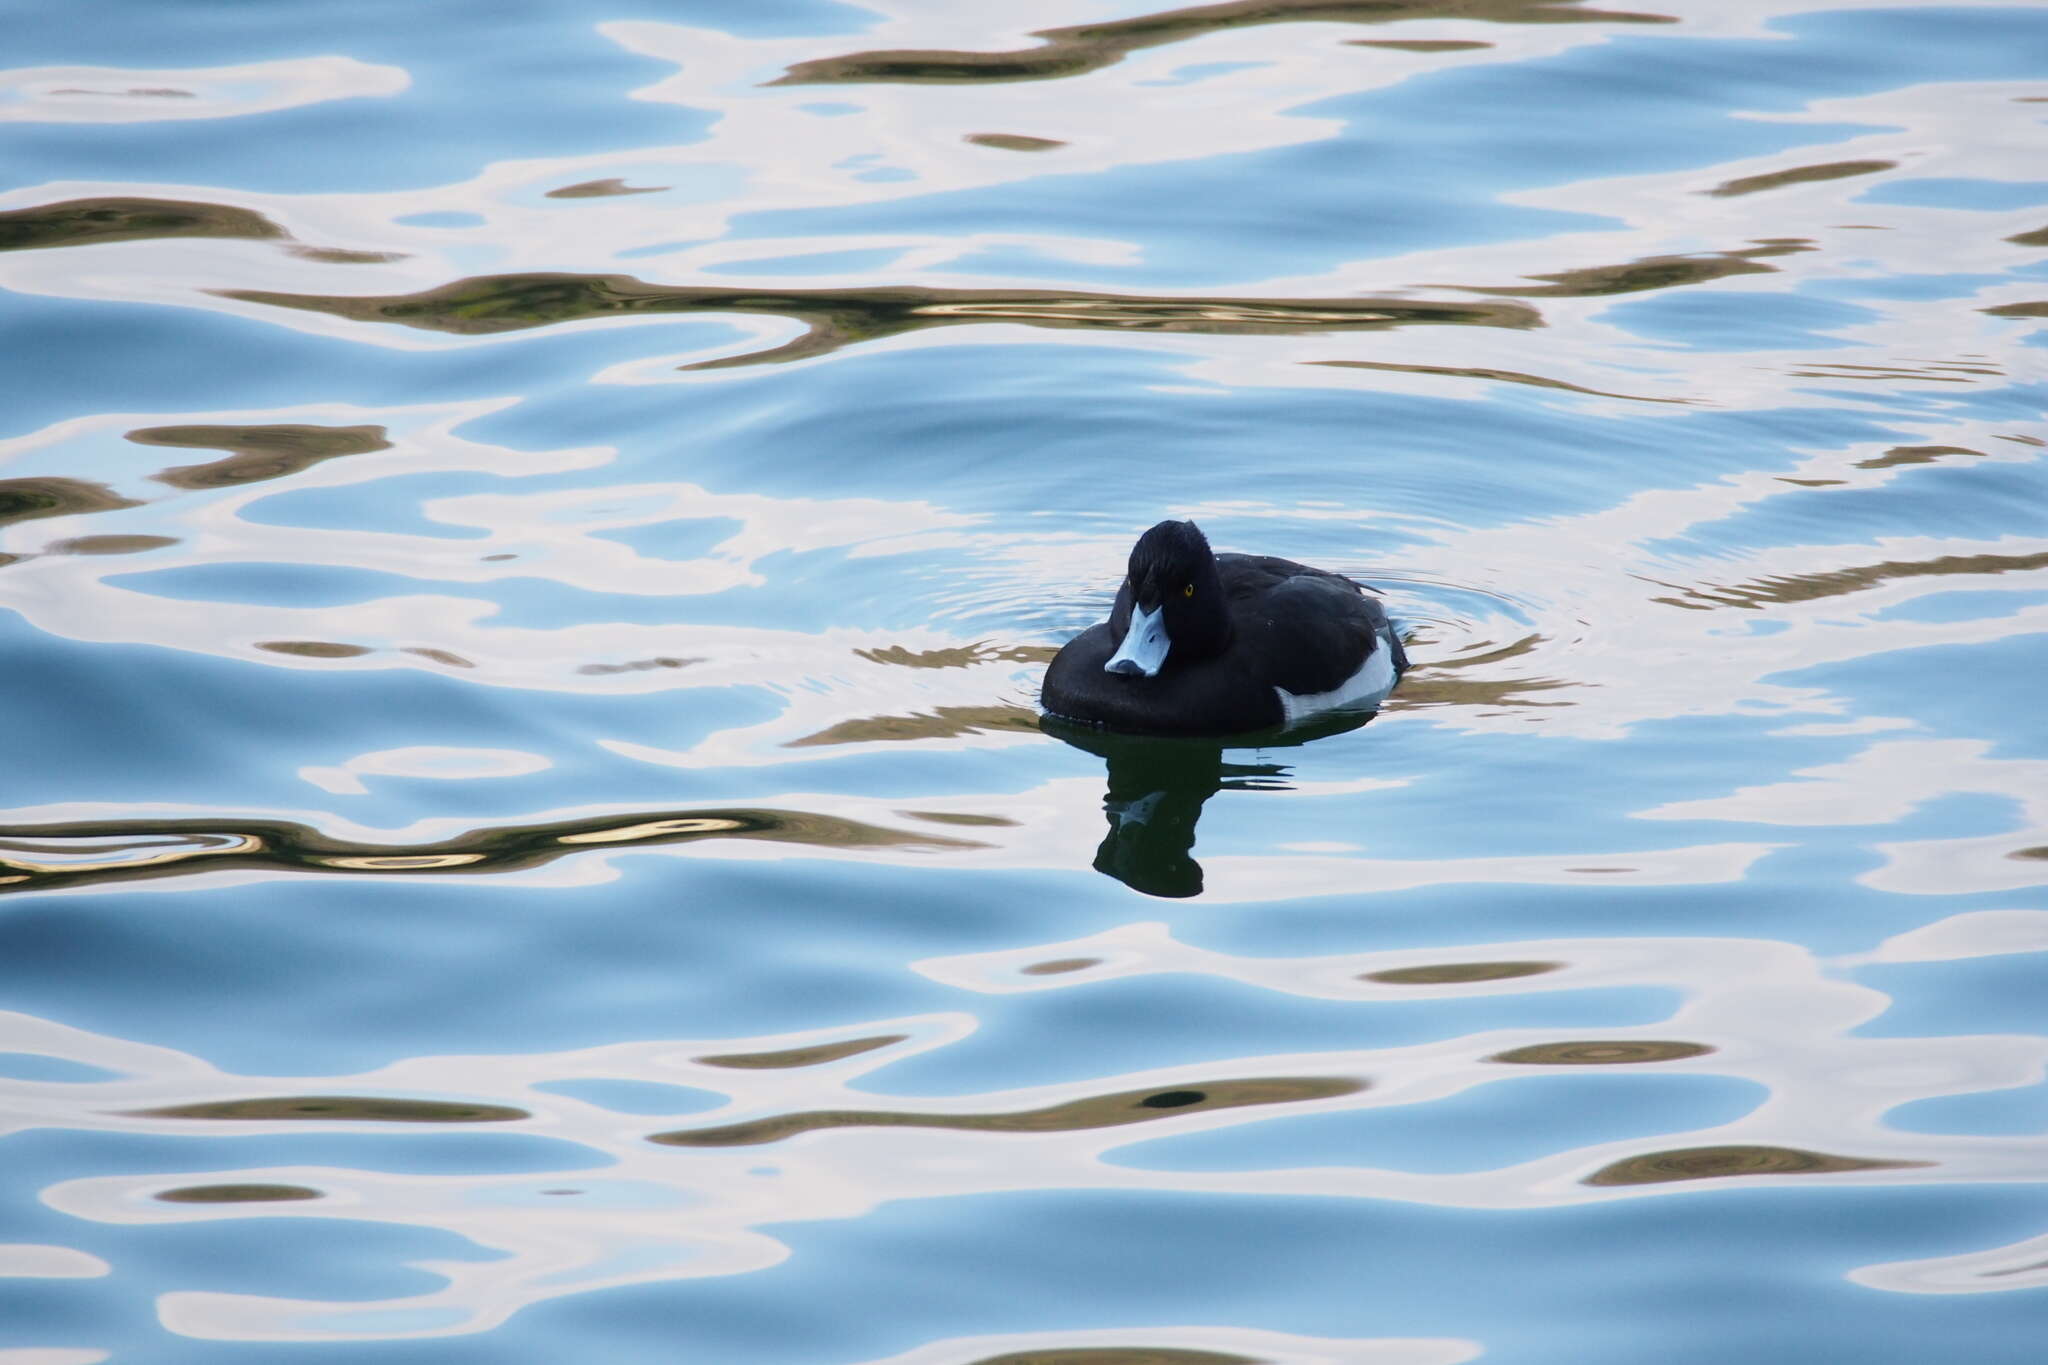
x=529, y=534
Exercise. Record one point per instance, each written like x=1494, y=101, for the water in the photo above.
x=528, y=541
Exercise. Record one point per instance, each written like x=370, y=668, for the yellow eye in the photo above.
x=1187, y=590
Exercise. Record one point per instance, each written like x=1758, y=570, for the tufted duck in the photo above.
x=1206, y=644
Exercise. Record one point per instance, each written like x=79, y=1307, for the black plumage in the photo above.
x=1240, y=626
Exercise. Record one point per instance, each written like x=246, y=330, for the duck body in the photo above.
x=1206, y=644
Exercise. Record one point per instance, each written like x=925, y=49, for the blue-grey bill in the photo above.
x=1145, y=644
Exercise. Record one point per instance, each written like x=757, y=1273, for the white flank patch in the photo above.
x=1366, y=688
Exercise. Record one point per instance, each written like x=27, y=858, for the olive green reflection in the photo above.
x=179, y=847
x=1102, y=1111
x=1158, y=787
x=1840, y=582
x=1637, y=277
x=958, y=656
x=632, y=666
x=1718, y=1163
x=54, y=496
x=486, y=305
x=1457, y=973
x=257, y=452
x=440, y=656
x=601, y=189
x=943, y=722
x=1535, y=381
x=315, y=649
x=1933, y=373
x=1060, y=966
x=817, y=1054
x=332, y=1108
x=1601, y=1052
x=1430, y=45
x=961, y=817
x=81, y=222
x=1438, y=683
x=1013, y=142
x=336, y=255
x=1799, y=175
x=236, y=1194
x=1083, y=48
x=1900, y=455
x=109, y=545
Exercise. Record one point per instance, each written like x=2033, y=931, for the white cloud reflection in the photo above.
x=107, y=94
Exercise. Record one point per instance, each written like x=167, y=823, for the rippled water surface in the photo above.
x=529, y=535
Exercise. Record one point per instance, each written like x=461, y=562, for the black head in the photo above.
x=1172, y=567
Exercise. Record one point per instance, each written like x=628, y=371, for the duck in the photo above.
x=1202, y=644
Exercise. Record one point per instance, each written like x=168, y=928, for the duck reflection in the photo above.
x=1157, y=788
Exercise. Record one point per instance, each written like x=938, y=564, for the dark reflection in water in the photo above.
x=81, y=222
x=815, y=1055
x=1716, y=1163
x=1090, y=47
x=1157, y=788
x=1458, y=973
x=236, y=1194
x=1601, y=1052
x=256, y=452
x=488, y=304
x=1155, y=797
x=46, y=857
x=1100, y=1111
x=342, y=1108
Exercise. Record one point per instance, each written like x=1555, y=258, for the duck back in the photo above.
x=1294, y=630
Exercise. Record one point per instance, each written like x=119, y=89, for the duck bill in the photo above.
x=1145, y=644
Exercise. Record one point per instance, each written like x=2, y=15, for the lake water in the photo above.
x=529, y=533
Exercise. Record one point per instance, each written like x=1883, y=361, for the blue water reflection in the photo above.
x=528, y=541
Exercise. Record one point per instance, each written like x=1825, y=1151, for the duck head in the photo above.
x=1170, y=607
